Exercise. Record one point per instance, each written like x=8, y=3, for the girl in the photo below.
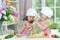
x=46, y=14
x=27, y=21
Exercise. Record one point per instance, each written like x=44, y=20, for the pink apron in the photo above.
x=46, y=30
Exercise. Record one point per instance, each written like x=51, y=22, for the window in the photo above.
x=15, y=3
x=36, y=4
x=53, y=4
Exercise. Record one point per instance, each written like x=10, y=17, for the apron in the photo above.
x=46, y=31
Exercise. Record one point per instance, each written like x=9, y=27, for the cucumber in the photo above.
x=9, y=36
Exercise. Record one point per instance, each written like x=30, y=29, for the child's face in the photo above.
x=44, y=16
x=30, y=18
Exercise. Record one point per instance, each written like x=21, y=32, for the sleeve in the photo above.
x=48, y=22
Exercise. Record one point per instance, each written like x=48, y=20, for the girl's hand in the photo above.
x=36, y=20
x=30, y=28
x=27, y=25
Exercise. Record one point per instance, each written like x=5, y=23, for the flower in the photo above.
x=4, y=4
x=5, y=17
x=11, y=18
x=3, y=12
x=8, y=14
x=12, y=7
x=15, y=13
x=0, y=15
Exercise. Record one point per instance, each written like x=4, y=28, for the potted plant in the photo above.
x=54, y=28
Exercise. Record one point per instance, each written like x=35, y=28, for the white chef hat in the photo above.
x=31, y=12
x=47, y=11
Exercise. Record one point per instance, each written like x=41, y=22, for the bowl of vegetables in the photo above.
x=54, y=28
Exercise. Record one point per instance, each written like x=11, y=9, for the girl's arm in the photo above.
x=28, y=26
x=42, y=27
x=21, y=28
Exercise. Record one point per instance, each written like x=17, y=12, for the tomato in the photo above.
x=45, y=34
x=52, y=36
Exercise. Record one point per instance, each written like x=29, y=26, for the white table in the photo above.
x=24, y=38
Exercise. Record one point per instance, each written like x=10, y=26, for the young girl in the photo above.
x=27, y=21
x=46, y=14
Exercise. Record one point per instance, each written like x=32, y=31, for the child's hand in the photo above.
x=36, y=20
x=30, y=28
x=26, y=23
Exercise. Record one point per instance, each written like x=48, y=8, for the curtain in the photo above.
x=24, y=6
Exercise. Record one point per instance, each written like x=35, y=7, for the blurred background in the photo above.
x=23, y=5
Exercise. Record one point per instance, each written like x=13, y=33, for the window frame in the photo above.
x=54, y=8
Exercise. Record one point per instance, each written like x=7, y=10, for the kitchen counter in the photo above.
x=24, y=38
x=30, y=38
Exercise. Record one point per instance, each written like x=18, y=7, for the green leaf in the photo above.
x=8, y=12
x=54, y=26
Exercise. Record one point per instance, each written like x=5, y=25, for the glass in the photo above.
x=36, y=3
x=0, y=27
x=4, y=28
x=57, y=2
x=19, y=26
x=50, y=3
x=18, y=29
x=31, y=30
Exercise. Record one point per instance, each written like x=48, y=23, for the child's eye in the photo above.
x=31, y=16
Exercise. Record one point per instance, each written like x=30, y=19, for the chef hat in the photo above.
x=31, y=12
x=47, y=11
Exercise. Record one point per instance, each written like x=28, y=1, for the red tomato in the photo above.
x=45, y=34
x=52, y=36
